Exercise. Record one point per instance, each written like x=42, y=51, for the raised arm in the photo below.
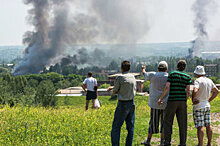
x=143, y=69
x=164, y=93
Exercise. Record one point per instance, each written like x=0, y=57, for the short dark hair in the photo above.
x=181, y=65
x=125, y=65
x=162, y=69
x=89, y=74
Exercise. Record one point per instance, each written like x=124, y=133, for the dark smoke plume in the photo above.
x=96, y=57
x=59, y=24
x=202, y=10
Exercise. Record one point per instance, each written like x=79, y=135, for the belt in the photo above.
x=126, y=100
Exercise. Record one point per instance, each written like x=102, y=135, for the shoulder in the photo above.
x=151, y=73
x=182, y=74
x=210, y=81
x=119, y=77
x=85, y=81
x=172, y=73
x=197, y=80
x=131, y=75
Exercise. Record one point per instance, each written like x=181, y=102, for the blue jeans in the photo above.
x=125, y=111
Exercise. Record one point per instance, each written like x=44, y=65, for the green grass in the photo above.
x=70, y=124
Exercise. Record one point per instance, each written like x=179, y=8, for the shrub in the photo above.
x=45, y=95
x=62, y=84
x=146, y=87
x=104, y=86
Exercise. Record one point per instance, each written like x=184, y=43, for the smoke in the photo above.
x=59, y=24
x=95, y=57
x=203, y=10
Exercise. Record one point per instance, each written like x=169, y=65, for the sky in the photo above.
x=169, y=20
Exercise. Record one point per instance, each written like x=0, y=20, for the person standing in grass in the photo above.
x=178, y=84
x=158, y=82
x=90, y=84
x=201, y=104
x=125, y=87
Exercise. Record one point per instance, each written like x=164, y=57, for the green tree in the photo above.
x=146, y=87
x=62, y=84
x=5, y=93
x=45, y=95
x=3, y=70
x=104, y=86
x=33, y=83
x=113, y=65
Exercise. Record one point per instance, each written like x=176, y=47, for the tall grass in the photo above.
x=72, y=125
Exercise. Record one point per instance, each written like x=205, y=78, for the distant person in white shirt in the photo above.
x=201, y=107
x=90, y=86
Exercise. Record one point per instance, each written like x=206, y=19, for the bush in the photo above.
x=3, y=70
x=62, y=84
x=216, y=80
x=45, y=95
x=33, y=83
x=104, y=86
x=146, y=87
x=5, y=93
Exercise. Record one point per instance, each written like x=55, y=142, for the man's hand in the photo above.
x=195, y=101
x=109, y=89
x=84, y=87
x=164, y=93
x=160, y=102
x=143, y=68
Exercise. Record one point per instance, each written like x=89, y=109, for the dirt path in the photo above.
x=215, y=117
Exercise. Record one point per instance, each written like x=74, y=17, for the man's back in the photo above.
x=157, y=84
x=125, y=86
x=205, y=86
x=178, y=82
x=90, y=82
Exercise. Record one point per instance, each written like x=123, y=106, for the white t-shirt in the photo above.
x=90, y=82
x=158, y=82
x=205, y=86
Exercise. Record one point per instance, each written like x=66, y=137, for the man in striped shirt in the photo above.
x=179, y=84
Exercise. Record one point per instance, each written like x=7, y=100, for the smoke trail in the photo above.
x=124, y=21
x=202, y=10
x=58, y=26
x=36, y=40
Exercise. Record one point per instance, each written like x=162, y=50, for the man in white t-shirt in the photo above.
x=90, y=84
x=158, y=82
x=201, y=107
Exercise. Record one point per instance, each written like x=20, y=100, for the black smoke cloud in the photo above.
x=96, y=57
x=59, y=24
x=202, y=9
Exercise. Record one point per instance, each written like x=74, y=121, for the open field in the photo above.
x=70, y=124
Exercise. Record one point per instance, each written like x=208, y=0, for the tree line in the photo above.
x=35, y=89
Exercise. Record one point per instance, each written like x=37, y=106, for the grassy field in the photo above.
x=70, y=124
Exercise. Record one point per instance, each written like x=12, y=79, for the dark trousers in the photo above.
x=180, y=109
x=125, y=111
